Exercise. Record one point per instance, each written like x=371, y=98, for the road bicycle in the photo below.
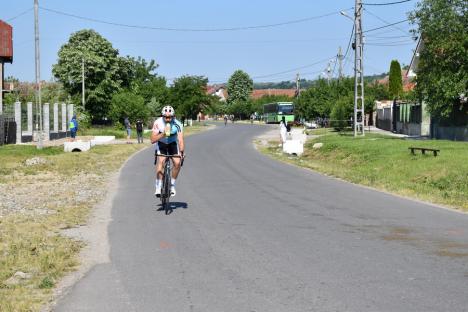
x=166, y=180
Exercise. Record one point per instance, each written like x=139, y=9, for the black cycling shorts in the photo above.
x=168, y=149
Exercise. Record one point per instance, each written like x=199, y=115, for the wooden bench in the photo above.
x=423, y=150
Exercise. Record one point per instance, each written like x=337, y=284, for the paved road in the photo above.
x=251, y=234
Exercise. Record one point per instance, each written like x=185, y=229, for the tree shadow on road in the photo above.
x=173, y=206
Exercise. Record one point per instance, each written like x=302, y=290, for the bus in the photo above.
x=274, y=112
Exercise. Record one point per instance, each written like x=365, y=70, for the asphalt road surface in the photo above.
x=248, y=233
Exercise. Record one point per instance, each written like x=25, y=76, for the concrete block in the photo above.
x=293, y=147
x=77, y=146
x=18, y=122
x=30, y=117
x=102, y=139
x=64, y=117
x=46, y=121
x=55, y=117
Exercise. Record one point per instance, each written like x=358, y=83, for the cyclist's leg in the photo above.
x=174, y=150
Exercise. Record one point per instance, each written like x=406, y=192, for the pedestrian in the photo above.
x=283, y=131
x=73, y=128
x=139, y=129
x=128, y=128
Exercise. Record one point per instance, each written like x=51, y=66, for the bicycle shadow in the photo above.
x=173, y=206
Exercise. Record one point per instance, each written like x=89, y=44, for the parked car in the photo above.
x=311, y=125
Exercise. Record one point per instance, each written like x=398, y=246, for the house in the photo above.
x=256, y=94
x=221, y=92
x=400, y=116
x=218, y=90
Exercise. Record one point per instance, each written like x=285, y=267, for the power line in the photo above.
x=19, y=15
x=349, y=45
x=192, y=29
x=389, y=25
x=388, y=3
x=386, y=22
x=293, y=69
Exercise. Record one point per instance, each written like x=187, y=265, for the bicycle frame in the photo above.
x=166, y=180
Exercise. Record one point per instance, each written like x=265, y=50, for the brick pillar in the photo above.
x=56, y=117
x=30, y=118
x=64, y=117
x=18, y=122
x=46, y=121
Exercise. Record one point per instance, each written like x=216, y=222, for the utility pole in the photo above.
x=340, y=63
x=83, y=83
x=298, y=85
x=328, y=71
x=38, y=72
x=359, y=115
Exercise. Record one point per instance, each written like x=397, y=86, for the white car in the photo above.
x=311, y=125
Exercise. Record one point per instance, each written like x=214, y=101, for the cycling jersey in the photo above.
x=176, y=127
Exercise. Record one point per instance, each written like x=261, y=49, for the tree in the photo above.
x=188, y=96
x=128, y=104
x=341, y=113
x=442, y=73
x=105, y=71
x=145, y=82
x=239, y=87
x=395, y=82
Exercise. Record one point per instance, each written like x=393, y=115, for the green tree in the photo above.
x=239, y=87
x=442, y=73
x=395, y=81
x=128, y=104
x=188, y=96
x=105, y=71
x=145, y=82
x=341, y=113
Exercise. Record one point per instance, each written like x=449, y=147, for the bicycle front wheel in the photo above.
x=167, y=186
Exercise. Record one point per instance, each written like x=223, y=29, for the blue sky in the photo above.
x=259, y=52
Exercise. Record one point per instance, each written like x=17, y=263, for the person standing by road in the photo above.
x=139, y=129
x=283, y=131
x=128, y=128
x=73, y=128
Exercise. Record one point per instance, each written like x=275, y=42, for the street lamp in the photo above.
x=346, y=15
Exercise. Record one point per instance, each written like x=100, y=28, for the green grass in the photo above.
x=386, y=163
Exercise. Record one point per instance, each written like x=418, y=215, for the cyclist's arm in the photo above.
x=156, y=136
x=180, y=137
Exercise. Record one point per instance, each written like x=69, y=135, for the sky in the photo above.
x=266, y=54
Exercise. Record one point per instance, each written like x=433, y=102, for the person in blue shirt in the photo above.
x=73, y=128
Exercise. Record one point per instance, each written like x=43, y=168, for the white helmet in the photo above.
x=168, y=111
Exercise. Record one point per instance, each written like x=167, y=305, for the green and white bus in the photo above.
x=274, y=112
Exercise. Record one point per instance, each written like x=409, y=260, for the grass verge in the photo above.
x=385, y=163
x=36, y=203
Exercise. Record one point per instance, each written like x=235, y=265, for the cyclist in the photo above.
x=167, y=133
x=225, y=120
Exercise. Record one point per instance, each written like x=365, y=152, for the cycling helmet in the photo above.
x=168, y=111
